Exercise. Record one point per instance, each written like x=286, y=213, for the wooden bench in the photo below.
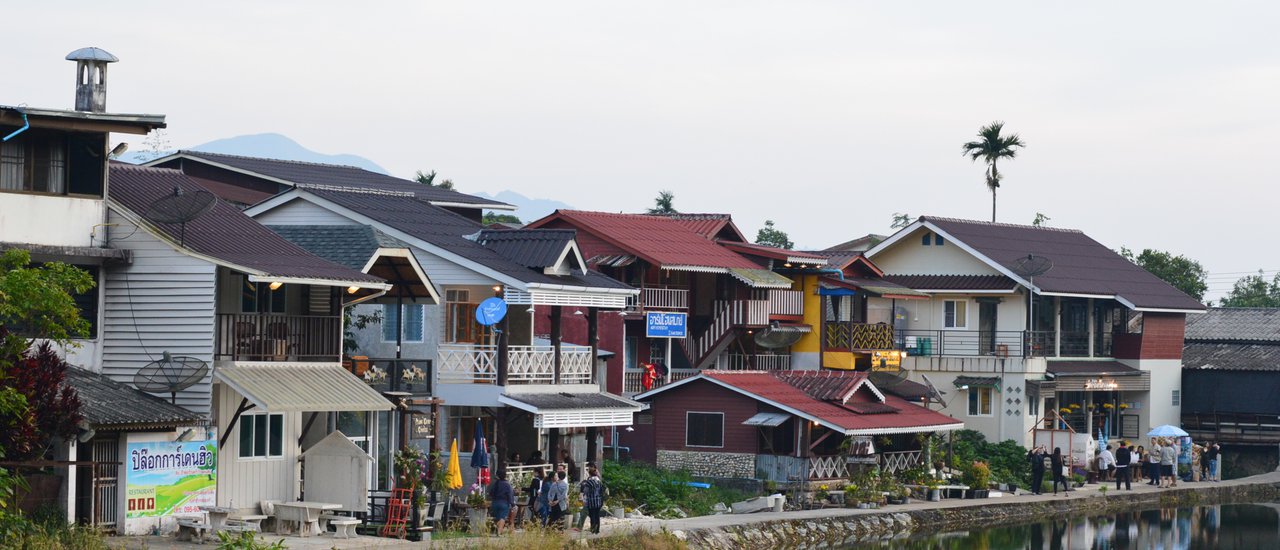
x=190, y=529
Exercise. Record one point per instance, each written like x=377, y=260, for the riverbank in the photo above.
x=834, y=527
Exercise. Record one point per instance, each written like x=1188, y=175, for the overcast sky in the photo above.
x=1148, y=124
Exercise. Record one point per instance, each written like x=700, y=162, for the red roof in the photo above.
x=711, y=226
x=822, y=396
x=774, y=252
x=660, y=240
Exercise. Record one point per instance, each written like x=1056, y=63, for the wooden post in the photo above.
x=499, y=461
x=556, y=312
x=504, y=339
x=593, y=340
x=553, y=447
x=593, y=447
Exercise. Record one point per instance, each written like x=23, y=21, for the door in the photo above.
x=986, y=328
x=106, y=481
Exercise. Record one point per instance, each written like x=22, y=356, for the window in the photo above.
x=413, y=322
x=937, y=239
x=261, y=435
x=955, y=314
x=980, y=401
x=703, y=429
x=259, y=298
x=35, y=162
x=1177, y=398
x=926, y=239
x=460, y=319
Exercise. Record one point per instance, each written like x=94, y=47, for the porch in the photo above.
x=278, y=337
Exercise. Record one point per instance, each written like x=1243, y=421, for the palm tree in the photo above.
x=990, y=147
x=663, y=204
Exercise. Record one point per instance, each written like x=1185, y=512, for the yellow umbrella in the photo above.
x=453, y=479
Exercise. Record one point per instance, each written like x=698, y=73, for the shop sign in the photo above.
x=164, y=478
x=1101, y=384
x=886, y=360
x=664, y=324
x=421, y=426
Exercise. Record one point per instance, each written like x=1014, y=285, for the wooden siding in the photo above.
x=301, y=212
x=162, y=301
x=1162, y=338
x=669, y=410
x=246, y=482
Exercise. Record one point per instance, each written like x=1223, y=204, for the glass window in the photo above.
x=704, y=429
x=1177, y=398
x=955, y=314
x=414, y=321
x=926, y=239
x=980, y=401
x=259, y=298
x=937, y=240
x=34, y=162
x=261, y=435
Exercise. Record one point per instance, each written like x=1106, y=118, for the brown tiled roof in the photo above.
x=659, y=240
x=224, y=232
x=954, y=282
x=1081, y=265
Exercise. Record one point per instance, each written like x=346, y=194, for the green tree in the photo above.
x=900, y=220
x=491, y=217
x=1180, y=271
x=1254, y=291
x=1040, y=220
x=37, y=303
x=663, y=203
x=430, y=179
x=772, y=236
x=991, y=147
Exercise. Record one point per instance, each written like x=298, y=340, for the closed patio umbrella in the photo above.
x=453, y=479
x=480, y=455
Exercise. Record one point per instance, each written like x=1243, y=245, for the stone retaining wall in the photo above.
x=709, y=464
x=843, y=529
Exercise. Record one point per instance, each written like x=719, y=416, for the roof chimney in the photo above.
x=91, y=78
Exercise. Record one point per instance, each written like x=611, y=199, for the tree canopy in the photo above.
x=1180, y=271
x=900, y=220
x=491, y=217
x=1254, y=291
x=772, y=236
x=991, y=147
x=1040, y=220
x=663, y=203
x=429, y=178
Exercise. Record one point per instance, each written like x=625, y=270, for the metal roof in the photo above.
x=954, y=282
x=349, y=245
x=775, y=253
x=565, y=401
x=1237, y=356
x=60, y=118
x=1091, y=368
x=770, y=419
x=110, y=404
x=659, y=240
x=92, y=54
x=977, y=381
x=1235, y=324
x=294, y=387
x=535, y=248
x=223, y=233
x=759, y=278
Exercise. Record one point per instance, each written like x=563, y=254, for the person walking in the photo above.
x=593, y=492
x=544, y=497
x=1153, y=463
x=1168, y=458
x=503, y=498
x=1037, y=458
x=1058, y=467
x=1209, y=460
x=1124, y=457
x=558, y=500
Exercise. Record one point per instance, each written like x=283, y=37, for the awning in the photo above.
x=977, y=381
x=759, y=278
x=1104, y=382
x=296, y=387
x=770, y=419
x=612, y=260
x=831, y=286
x=574, y=410
x=800, y=328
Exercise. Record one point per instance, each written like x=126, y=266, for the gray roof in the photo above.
x=1231, y=356
x=1091, y=368
x=92, y=54
x=1081, y=265
x=224, y=232
x=110, y=403
x=570, y=401
x=529, y=247
x=306, y=174
x=451, y=232
x=349, y=245
x=1232, y=324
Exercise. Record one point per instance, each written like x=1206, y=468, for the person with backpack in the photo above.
x=1038, y=466
x=593, y=492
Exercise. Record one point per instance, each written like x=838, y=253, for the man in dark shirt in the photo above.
x=592, y=490
x=1124, y=458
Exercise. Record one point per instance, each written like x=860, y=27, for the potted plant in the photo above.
x=1077, y=480
x=851, y=495
x=478, y=510
x=934, y=490
x=823, y=492
x=978, y=477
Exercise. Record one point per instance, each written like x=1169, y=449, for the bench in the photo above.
x=192, y=529
x=253, y=522
x=344, y=528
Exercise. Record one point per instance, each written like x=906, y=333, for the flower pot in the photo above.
x=935, y=495
x=477, y=519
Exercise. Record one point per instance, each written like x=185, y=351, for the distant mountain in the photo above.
x=273, y=146
x=527, y=209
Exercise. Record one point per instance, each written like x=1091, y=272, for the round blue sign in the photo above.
x=491, y=311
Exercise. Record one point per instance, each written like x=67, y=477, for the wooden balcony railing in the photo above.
x=757, y=361
x=658, y=298
x=472, y=364
x=842, y=335
x=786, y=302
x=278, y=337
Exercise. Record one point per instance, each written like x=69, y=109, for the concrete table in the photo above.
x=217, y=516
x=306, y=515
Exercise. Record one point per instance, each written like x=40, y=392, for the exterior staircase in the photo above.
x=731, y=316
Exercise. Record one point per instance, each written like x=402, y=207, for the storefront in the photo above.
x=1105, y=399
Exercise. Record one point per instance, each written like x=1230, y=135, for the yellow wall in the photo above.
x=812, y=313
x=838, y=360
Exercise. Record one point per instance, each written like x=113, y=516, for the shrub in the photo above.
x=977, y=476
x=658, y=490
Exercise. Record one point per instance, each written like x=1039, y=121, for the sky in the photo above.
x=1147, y=124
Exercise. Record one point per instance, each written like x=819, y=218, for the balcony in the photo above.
x=478, y=364
x=756, y=361
x=841, y=335
x=786, y=302
x=277, y=337
x=632, y=379
x=662, y=298
x=385, y=374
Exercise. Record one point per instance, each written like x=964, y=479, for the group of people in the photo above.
x=1055, y=464
x=1127, y=464
x=548, y=493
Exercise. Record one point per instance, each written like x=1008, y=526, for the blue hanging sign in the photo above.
x=490, y=311
x=663, y=324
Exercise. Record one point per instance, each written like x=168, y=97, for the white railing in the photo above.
x=461, y=363
x=664, y=298
x=898, y=461
x=828, y=467
x=786, y=302
x=760, y=361
x=728, y=314
x=466, y=363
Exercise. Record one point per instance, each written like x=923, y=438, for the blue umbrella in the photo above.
x=480, y=454
x=1166, y=431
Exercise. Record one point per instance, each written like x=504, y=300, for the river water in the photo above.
x=1225, y=527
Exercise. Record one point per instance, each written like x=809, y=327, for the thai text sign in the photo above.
x=662, y=324
x=166, y=478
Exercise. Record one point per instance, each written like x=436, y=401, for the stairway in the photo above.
x=730, y=317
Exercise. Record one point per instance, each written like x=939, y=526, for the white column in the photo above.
x=1092, y=323
x=1057, y=326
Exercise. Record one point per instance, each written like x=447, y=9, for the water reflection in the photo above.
x=1226, y=527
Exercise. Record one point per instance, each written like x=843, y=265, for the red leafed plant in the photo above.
x=53, y=408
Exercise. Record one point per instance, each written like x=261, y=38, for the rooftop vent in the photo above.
x=91, y=78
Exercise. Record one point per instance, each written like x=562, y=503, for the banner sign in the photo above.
x=166, y=478
x=662, y=324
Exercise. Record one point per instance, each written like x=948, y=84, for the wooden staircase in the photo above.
x=731, y=316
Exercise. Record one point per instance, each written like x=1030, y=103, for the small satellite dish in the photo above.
x=180, y=208
x=774, y=339
x=933, y=391
x=491, y=311
x=1032, y=265
x=170, y=374
x=888, y=378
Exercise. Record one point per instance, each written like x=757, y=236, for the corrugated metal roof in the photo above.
x=775, y=253
x=109, y=403
x=760, y=278
x=659, y=240
x=566, y=401
x=538, y=248
x=879, y=287
x=297, y=387
x=711, y=226
x=1235, y=324
x=349, y=245
x=1087, y=368
x=224, y=232
x=1081, y=265
x=954, y=282
x=1240, y=356
x=770, y=419
x=977, y=381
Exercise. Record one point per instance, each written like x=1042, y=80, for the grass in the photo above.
x=547, y=539
x=635, y=484
x=18, y=532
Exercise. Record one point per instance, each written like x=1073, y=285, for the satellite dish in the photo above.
x=170, y=374
x=1032, y=265
x=888, y=378
x=491, y=311
x=180, y=208
x=933, y=390
x=774, y=339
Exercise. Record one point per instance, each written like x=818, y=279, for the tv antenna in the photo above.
x=1029, y=266
x=180, y=208
x=170, y=374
